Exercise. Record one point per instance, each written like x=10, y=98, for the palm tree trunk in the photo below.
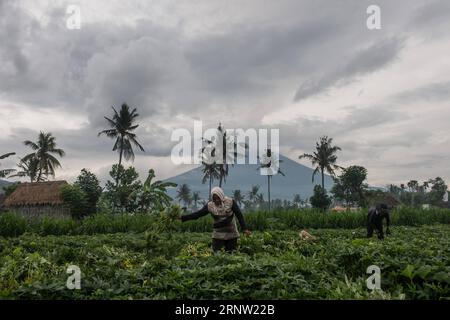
x=210, y=186
x=323, y=180
x=268, y=187
x=120, y=161
x=39, y=175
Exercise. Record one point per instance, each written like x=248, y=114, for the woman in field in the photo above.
x=224, y=210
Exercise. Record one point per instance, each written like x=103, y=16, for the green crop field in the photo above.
x=174, y=262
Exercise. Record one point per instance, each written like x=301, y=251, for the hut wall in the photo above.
x=37, y=211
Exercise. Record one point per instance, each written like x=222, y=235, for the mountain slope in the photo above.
x=3, y=183
x=243, y=177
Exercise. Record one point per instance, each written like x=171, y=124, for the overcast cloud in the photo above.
x=309, y=68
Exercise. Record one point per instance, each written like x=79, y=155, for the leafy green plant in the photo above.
x=320, y=198
x=276, y=264
x=153, y=194
x=74, y=197
x=90, y=185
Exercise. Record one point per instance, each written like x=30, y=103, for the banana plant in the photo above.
x=153, y=195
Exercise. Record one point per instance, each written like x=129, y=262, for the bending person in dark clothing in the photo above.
x=224, y=211
x=375, y=220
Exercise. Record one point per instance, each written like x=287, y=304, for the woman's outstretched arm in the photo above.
x=195, y=215
x=239, y=216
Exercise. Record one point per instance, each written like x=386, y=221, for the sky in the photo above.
x=306, y=67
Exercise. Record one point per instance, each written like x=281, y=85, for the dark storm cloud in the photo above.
x=430, y=14
x=235, y=72
x=157, y=69
x=434, y=92
x=246, y=59
x=371, y=59
x=348, y=126
x=10, y=38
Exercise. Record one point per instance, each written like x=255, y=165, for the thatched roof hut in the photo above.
x=38, y=198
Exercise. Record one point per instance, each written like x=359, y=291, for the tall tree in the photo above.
x=210, y=173
x=438, y=190
x=195, y=198
x=122, y=125
x=324, y=158
x=184, y=194
x=394, y=189
x=350, y=186
x=226, y=148
x=44, y=155
x=238, y=197
x=297, y=200
x=253, y=194
x=123, y=196
x=259, y=199
x=268, y=163
x=90, y=185
x=413, y=186
x=5, y=172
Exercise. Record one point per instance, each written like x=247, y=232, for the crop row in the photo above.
x=414, y=264
x=12, y=225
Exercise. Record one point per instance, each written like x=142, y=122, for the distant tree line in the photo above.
x=125, y=192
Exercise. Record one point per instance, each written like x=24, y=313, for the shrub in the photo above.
x=75, y=199
x=320, y=199
x=12, y=225
x=90, y=185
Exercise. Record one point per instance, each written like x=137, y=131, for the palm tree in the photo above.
x=227, y=150
x=238, y=197
x=266, y=163
x=413, y=186
x=253, y=194
x=403, y=187
x=44, y=156
x=210, y=172
x=324, y=158
x=5, y=172
x=184, y=194
x=29, y=168
x=196, y=198
x=259, y=199
x=121, y=128
x=297, y=200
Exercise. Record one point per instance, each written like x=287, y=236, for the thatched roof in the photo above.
x=38, y=193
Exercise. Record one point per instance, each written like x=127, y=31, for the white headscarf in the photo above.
x=218, y=192
x=224, y=209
